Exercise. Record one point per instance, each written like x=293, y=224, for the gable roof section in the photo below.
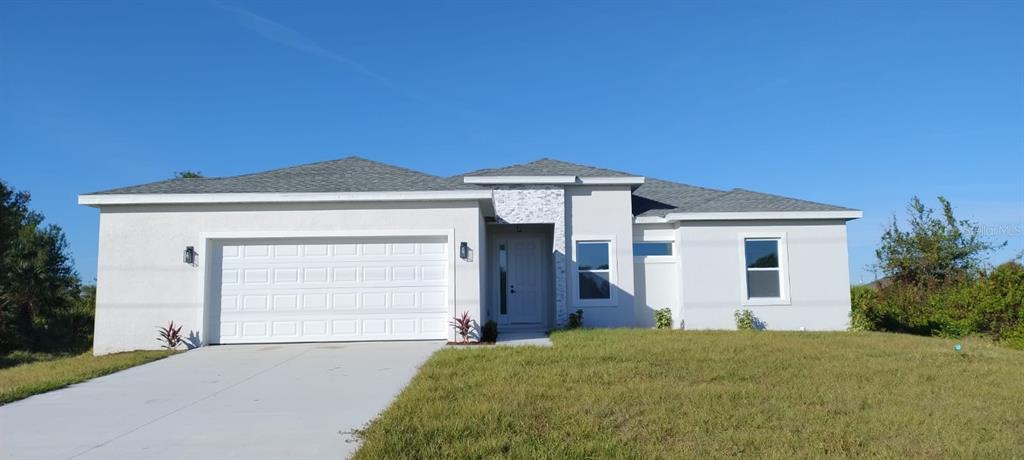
x=547, y=167
x=351, y=174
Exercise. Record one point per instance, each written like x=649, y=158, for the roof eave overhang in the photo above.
x=97, y=200
x=733, y=216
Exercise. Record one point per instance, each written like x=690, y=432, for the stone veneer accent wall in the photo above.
x=539, y=204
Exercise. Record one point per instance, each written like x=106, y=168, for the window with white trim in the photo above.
x=593, y=270
x=763, y=269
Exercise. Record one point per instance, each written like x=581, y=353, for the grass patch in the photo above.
x=659, y=393
x=24, y=374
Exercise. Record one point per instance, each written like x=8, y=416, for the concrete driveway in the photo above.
x=244, y=401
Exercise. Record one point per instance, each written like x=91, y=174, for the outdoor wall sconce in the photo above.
x=463, y=250
x=190, y=255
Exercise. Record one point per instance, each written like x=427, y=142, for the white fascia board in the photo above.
x=568, y=180
x=630, y=180
x=774, y=215
x=649, y=220
x=190, y=198
x=494, y=180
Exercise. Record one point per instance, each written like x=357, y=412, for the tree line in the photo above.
x=44, y=306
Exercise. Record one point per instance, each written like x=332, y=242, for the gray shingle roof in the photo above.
x=352, y=174
x=655, y=197
x=658, y=197
x=740, y=200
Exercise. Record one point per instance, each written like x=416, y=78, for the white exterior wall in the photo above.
x=712, y=270
x=657, y=278
x=480, y=256
x=142, y=282
x=603, y=212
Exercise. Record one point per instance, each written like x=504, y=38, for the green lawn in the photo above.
x=25, y=374
x=657, y=394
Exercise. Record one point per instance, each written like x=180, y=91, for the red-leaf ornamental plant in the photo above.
x=170, y=336
x=463, y=326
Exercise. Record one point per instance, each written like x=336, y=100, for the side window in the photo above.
x=593, y=270
x=763, y=271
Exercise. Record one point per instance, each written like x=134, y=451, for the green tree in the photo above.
x=934, y=250
x=38, y=284
x=188, y=174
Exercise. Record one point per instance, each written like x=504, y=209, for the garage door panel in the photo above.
x=286, y=302
x=345, y=301
x=336, y=290
x=310, y=330
x=377, y=299
x=353, y=274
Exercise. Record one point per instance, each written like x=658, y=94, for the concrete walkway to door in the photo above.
x=298, y=401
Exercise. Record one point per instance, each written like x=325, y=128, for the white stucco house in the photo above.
x=356, y=250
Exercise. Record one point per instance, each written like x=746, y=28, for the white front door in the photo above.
x=526, y=287
x=344, y=289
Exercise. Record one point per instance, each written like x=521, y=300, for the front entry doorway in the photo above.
x=522, y=281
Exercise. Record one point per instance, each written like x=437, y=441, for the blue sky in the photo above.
x=857, y=104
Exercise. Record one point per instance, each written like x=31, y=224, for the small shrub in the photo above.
x=170, y=336
x=862, y=298
x=489, y=333
x=663, y=318
x=575, y=320
x=463, y=326
x=746, y=321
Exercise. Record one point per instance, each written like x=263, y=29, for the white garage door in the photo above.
x=312, y=291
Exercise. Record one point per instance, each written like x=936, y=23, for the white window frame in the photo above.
x=784, y=294
x=613, y=270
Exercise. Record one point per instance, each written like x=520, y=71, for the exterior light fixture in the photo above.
x=190, y=255
x=463, y=250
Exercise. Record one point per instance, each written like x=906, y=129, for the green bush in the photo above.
x=663, y=318
x=990, y=305
x=1000, y=301
x=575, y=320
x=861, y=299
x=746, y=321
x=489, y=333
x=1014, y=338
